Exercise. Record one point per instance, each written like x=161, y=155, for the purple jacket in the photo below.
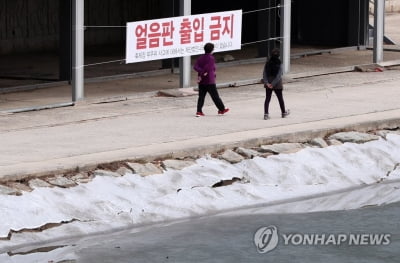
x=205, y=67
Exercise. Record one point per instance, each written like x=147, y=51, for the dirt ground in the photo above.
x=392, y=28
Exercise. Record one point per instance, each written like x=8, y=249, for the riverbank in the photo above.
x=107, y=164
x=270, y=175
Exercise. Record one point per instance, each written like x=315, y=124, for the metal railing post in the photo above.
x=77, y=50
x=185, y=9
x=285, y=29
x=379, y=14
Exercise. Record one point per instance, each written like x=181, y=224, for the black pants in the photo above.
x=268, y=95
x=212, y=90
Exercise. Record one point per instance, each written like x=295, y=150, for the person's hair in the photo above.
x=275, y=53
x=208, y=48
x=273, y=63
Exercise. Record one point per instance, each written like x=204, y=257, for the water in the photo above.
x=230, y=238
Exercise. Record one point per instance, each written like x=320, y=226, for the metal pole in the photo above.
x=185, y=9
x=286, y=11
x=379, y=21
x=77, y=50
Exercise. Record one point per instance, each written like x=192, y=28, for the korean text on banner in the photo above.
x=182, y=36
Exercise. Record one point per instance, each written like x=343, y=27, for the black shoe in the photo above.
x=266, y=116
x=286, y=113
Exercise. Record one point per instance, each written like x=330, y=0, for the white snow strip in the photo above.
x=110, y=202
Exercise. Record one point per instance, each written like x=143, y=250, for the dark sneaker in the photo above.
x=199, y=114
x=222, y=112
x=286, y=113
x=266, y=116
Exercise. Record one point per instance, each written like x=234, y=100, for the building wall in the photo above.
x=28, y=25
x=341, y=24
x=34, y=25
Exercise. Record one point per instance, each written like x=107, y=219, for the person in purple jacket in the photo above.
x=205, y=67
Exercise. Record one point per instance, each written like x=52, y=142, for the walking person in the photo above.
x=272, y=79
x=206, y=74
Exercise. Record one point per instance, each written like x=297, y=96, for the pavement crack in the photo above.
x=36, y=250
x=37, y=229
x=226, y=182
x=394, y=169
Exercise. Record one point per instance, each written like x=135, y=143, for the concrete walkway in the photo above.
x=142, y=125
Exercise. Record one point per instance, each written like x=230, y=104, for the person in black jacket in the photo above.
x=272, y=79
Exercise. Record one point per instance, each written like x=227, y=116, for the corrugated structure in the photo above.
x=28, y=26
